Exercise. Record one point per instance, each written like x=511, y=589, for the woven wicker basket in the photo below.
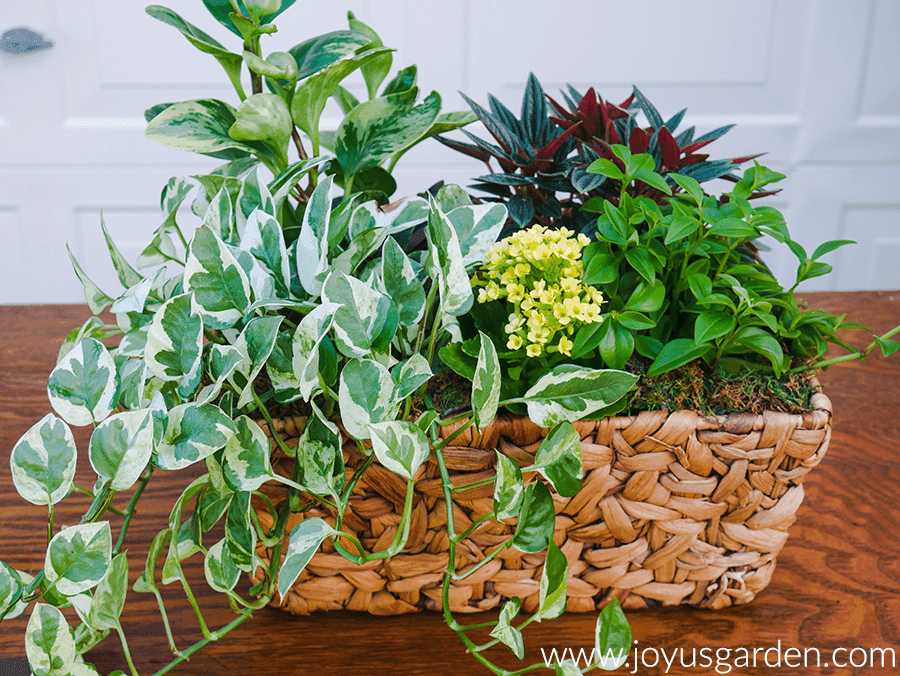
x=675, y=508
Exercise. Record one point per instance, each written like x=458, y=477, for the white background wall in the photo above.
x=816, y=83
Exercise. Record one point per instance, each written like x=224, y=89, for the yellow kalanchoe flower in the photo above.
x=538, y=272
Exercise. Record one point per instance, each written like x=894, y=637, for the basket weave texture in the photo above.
x=676, y=508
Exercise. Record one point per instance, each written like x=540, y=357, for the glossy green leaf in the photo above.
x=400, y=446
x=762, y=342
x=554, y=582
x=84, y=386
x=536, y=519
x=218, y=283
x=221, y=572
x=733, y=227
x=175, y=343
x=616, y=343
x=558, y=459
x=647, y=297
x=568, y=393
x=374, y=72
x=49, y=642
x=509, y=635
x=612, y=637
x=508, y=488
x=676, y=353
x=121, y=446
x=43, y=461
x=246, y=463
x=193, y=432
x=303, y=543
x=262, y=117
x=78, y=557
x=377, y=129
x=486, y=383
x=223, y=9
x=109, y=598
x=365, y=396
x=689, y=185
x=712, y=324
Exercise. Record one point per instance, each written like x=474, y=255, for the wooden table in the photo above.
x=837, y=583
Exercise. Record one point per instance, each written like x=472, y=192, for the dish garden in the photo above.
x=577, y=388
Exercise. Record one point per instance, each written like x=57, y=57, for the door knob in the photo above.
x=22, y=40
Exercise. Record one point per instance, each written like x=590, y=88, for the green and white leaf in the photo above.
x=11, y=584
x=246, y=463
x=97, y=300
x=293, y=366
x=109, y=598
x=477, y=228
x=401, y=283
x=486, y=383
x=222, y=573
x=240, y=534
x=218, y=282
x=569, y=393
x=255, y=344
x=43, y=461
x=447, y=264
x=128, y=276
x=219, y=216
x=175, y=343
x=193, y=432
x=612, y=637
x=509, y=635
x=183, y=547
x=559, y=459
x=359, y=322
x=312, y=243
x=554, y=582
x=135, y=297
x=400, y=446
x=199, y=126
x=365, y=396
x=121, y=446
x=264, y=240
x=508, y=488
x=304, y=541
x=409, y=376
x=369, y=227
x=320, y=456
x=84, y=386
x=78, y=557
x=49, y=642
x=221, y=363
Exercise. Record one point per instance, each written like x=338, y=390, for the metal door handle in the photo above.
x=21, y=40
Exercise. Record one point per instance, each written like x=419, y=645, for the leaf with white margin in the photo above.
x=477, y=227
x=49, y=642
x=362, y=317
x=263, y=239
x=486, y=383
x=262, y=282
x=217, y=281
x=121, y=446
x=612, y=637
x=568, y=668
x=97, y=300
x=312, y=243
x=508, y=488
x=509, y=635
x=255, y=344
x=109, y=598
x=320, y=456
x=447, y=263
x=409, y=376
x=128, y=276
x=161, y=248
x=183, y=547
x=308, y=336
x=401, y=283
x=400, y=446
x=221, y=572
x=10, y=587
x=554, y=581
x=175, y=343
x=304, y=541
x=193, y=432
x=569, y=393
x=43, y=461
x=559, y=459
x=254, y=194
x=135, y=297
x=365, y=396
x=222, y=360
x=240, y=534
x=279, y=367
x=219, y=216
x=246, y=463
x=78, y=557
x=84, y=386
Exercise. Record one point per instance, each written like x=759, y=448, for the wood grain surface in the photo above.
x=837, y=583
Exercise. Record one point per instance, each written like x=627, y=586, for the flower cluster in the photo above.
x=538, y=272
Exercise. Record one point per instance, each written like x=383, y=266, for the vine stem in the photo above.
x=125, y=649
x=132, y=504
x=215, y=636
x=859, y=354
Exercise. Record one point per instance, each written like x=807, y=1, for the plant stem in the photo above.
x=125, y=649
x=428, y=303
x=298, y=143
x=203, y=642
x=49, y=523
x=859, y=354
x=132, y=504
x=471, y=529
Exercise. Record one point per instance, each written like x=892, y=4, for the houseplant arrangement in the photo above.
x=386, y=351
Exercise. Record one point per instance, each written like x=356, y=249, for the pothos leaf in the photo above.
x=84, y=386
x=43, y=461
x=78, y=557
